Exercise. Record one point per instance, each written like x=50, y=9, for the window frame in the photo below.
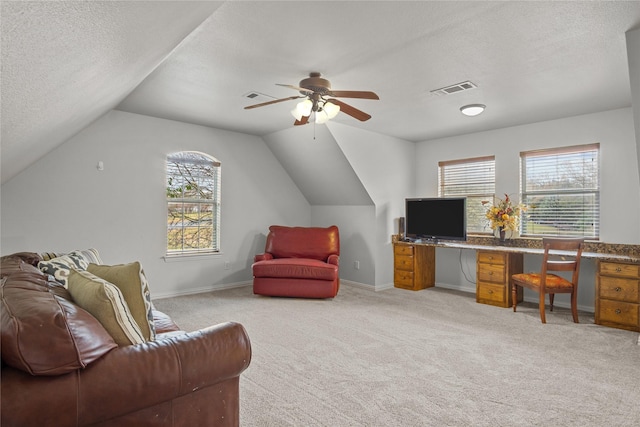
x=553, y=155
x=474, y=166
x=205, y=190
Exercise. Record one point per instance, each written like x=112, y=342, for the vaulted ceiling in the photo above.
x=64, y=64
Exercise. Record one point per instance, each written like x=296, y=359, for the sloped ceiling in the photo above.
x=314, y=161
x=66, y=63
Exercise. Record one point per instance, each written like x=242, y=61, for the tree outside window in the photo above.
x=561, y=187
x=193, y=203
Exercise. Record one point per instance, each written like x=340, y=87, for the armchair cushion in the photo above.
x=299, y=268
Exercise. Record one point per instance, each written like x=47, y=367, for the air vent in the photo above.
x=258, y=96
x=458, y=87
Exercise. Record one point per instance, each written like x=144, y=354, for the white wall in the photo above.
x=385, y=165
x=619, y=195
x=357, y=241
x=633, y=56
x=63, y=202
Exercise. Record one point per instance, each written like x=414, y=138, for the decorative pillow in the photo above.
x=60, y=267
x=107, y=304
x=131, y=281
x=44, y=334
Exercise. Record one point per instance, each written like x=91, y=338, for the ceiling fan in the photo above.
x=320, y=99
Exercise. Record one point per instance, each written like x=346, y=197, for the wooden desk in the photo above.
x=617, y=299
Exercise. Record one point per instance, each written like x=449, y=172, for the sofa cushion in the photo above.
x=295, y=268
x=303, y=242
x=107, y=304
x=72, y=339
x=131, y=281
x=60, y=267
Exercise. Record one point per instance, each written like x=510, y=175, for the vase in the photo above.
x=503, y=234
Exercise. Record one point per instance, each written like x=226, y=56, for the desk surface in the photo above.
x=594, y=250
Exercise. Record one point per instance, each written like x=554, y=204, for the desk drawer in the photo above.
x=404, y=262
x=491, y=293
x=491, y=273
x=403, y=279
x=492, y=257
x=619, y=289
x=620, y=270
x=403, y=250
x=617, y=312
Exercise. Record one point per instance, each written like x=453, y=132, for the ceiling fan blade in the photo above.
x=298, y=88
x=275, y=101
x=303, y=121
x=352, y=111
x=354, y=94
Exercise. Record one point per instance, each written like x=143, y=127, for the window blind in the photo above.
x=473, y=178
x=561, y=187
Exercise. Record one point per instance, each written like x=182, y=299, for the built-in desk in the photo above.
x=617, y=299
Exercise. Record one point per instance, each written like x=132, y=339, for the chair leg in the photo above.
x=551, y=297
x=542, y=315
x=574, y=306
x=514, y=296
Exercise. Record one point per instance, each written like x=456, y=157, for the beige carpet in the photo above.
x=428, y=358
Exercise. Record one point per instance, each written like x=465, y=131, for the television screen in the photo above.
x=437, y=218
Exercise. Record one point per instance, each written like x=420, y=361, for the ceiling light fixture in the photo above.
x=472, y=109
x=324, y=110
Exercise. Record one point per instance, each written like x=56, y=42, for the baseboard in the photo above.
x=374, y=288
x=210, y=288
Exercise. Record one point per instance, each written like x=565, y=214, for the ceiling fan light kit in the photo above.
x=472, y=109
x=303, y=108
x=320, y=100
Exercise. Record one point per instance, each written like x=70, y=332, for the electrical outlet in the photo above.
x=356, y=265
x=227, y=265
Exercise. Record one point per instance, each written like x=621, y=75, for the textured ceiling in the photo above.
x=66, y=63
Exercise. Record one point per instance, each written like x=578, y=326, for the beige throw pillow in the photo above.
x=131, y=281
x=107, y=304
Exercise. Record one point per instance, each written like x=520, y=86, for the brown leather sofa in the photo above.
x=61, y=368
x=298, y=262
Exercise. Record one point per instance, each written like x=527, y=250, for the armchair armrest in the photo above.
x=333, y=259
x=262, y=257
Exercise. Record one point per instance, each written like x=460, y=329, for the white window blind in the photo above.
x=561, y=187
x=193, y=203
x=474, y=179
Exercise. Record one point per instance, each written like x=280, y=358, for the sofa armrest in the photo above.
x=129, y=378
x=333, y=259
x=262, y=257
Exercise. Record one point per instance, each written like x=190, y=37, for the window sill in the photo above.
x=191, y=257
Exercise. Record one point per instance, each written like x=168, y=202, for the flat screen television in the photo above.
x=436, y=218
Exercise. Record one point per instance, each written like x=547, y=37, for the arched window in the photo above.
x=193, y=203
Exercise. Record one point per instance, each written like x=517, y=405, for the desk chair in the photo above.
x=549, y=283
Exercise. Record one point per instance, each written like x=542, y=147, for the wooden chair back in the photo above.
x=562, y=254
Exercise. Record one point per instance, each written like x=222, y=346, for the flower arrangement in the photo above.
x=503, y=215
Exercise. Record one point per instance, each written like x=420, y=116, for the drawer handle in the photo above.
x=490, y=292
x=491, y=273
x=618, y=289
x=618, y=269
x=618, y=311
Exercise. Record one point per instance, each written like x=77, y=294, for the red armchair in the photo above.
x=298, y=262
